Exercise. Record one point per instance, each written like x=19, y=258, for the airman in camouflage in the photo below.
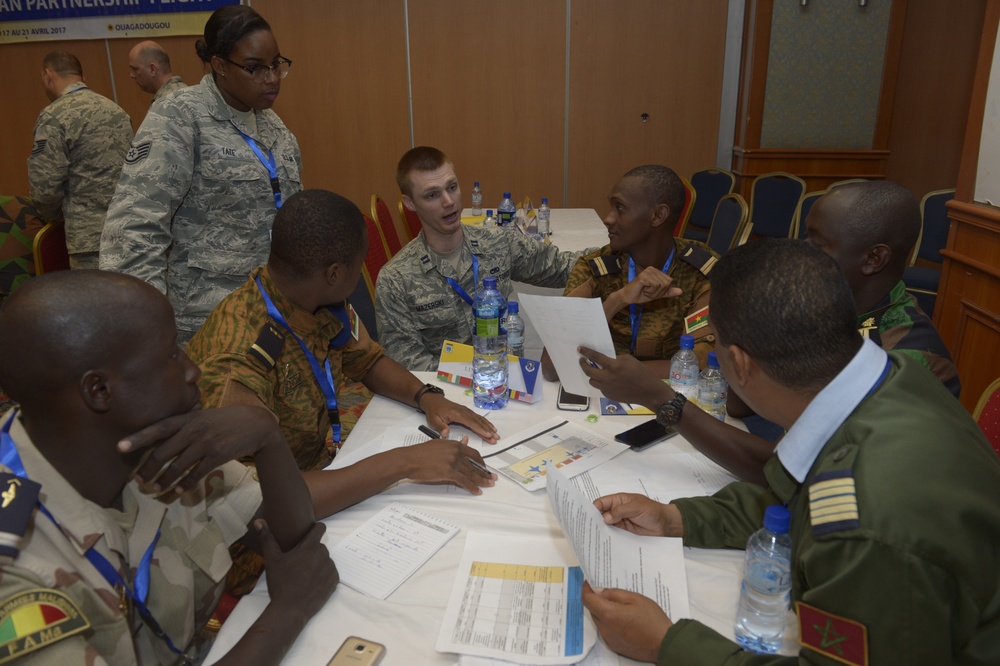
x=192, y=214
x=149, y=67
x=80, y=140
x=416, y=308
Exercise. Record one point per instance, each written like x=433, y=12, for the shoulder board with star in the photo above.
x=36, y=618
x=267, y=348
x=696, y=255
x=606, y=264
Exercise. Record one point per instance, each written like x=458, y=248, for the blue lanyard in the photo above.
x=11, y=459
x=475, y=283
x=324, y=375
x=270, y=164
x=635, y=318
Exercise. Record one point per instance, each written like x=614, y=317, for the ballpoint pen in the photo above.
x=434, y=434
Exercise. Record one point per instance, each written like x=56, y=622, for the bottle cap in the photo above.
x=687, y=341
x=489, y=212
x=713, y=359
x=511, y=307
x=506, y=195
x=489, y=282
x=475, y=184
x=777, y=519
x=545, y=200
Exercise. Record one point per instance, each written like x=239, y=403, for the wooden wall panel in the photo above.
x=642, y=56
x=489, y=90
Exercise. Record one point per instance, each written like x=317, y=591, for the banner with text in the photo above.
x=46, y=20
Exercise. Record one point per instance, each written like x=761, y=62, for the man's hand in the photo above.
x=186, y=447
x=445, y=460
x=624, y=379
x=302, y=579
x=442, y=412
x=640, y=515
x=631, y=624
x=649, y=285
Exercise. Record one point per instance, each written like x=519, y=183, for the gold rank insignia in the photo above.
x=867, y=325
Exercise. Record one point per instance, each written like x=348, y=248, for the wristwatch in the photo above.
x=426, y=388
x=669, y=413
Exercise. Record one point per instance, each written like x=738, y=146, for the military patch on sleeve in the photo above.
x=39, y=146
x=695, y=320
x=137, y=153
x=833, y=503
x=17, y=504
x=267, y=348
x=832, y=636
x=700, y=258
x=36, y=618
x=355, y=322
x=606, y=264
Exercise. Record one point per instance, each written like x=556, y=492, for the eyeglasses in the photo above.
x=259, y=73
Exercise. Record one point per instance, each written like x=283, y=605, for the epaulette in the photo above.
x=267, y=348
x=833, y=500
x=606, y=264
x=699, y=257
x=17, y=503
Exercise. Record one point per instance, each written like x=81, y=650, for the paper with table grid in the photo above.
x=378, y=556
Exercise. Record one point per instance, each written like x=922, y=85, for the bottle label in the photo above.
x=487, y=327
x=506, y=218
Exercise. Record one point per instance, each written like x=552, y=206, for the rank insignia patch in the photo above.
x=833, y=503
x=137, y=153
x=33, y=619
x=17, y=504
x=39, y=146
x=832, y=636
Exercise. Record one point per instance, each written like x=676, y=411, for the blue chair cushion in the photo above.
x=921, y=277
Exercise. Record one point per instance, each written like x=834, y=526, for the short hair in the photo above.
x=315, y=229
x=787, y=304
x=881, y=212
x=63, y=63
x=155, y=53
x=421, y=158
x=226, y=26
x=662, y=186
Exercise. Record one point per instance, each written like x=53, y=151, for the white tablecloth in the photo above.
x=409, y=620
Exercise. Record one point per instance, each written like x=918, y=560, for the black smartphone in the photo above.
x=572, y=401
x=645, y=435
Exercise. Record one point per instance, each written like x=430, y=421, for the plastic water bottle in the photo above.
x=490, y=221
x=515, y=330
x=713, y=389
x=767, y=582
x=489, y=339
x=543, y=214
x=684, y=369
x=506, y=211
x=477, y=199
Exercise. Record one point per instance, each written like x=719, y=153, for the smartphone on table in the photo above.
x=572, y=401
x=645, y=435
x=358, y=652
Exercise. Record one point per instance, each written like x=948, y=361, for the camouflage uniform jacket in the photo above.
x=417, y=310
x=189, y=564
x=192, y=214
x=603, y=272
x=222, y=348
x=897, y=322
x=169, y=86
x=80, y=141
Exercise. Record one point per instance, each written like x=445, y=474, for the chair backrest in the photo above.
x=50, y=249
x=19, y=224
x=689, y=199
x=728, y=223
x=363, y=304
x=802, y=212
x=773, y=199
x=745, y=235
x=934, y=225
x=845, y=182
x=411, y=219
x=396, y=235
x=378, y=255
x=710, y=185
x=987, y=414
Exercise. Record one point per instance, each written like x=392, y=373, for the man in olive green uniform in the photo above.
x=424, y=294
x=653, y=287
x=893, y=489
x=149, y=67
x=80, y=141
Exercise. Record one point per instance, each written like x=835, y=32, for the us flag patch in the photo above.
x=39, y=146
x=137, y=153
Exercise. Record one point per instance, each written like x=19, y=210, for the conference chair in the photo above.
x=773, y=199
x=728, y=223
x=411, y=219
x=378, y=255
x=689, y=199
x=50, y=249
x=19, y=224
x=710, y=185
x=987, y=414
x=395, y=233
x=922, y=280
x=802, y=212
x=846, y=181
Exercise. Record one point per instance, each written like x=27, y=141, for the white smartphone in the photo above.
x=572, y=401
x=358, y=652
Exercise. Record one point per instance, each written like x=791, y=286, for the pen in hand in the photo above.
x=433, y=434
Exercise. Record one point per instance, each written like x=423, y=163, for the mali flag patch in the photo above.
x=832, y=636
x=33, y=619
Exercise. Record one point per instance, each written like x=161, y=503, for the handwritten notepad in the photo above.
x=378, y=556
